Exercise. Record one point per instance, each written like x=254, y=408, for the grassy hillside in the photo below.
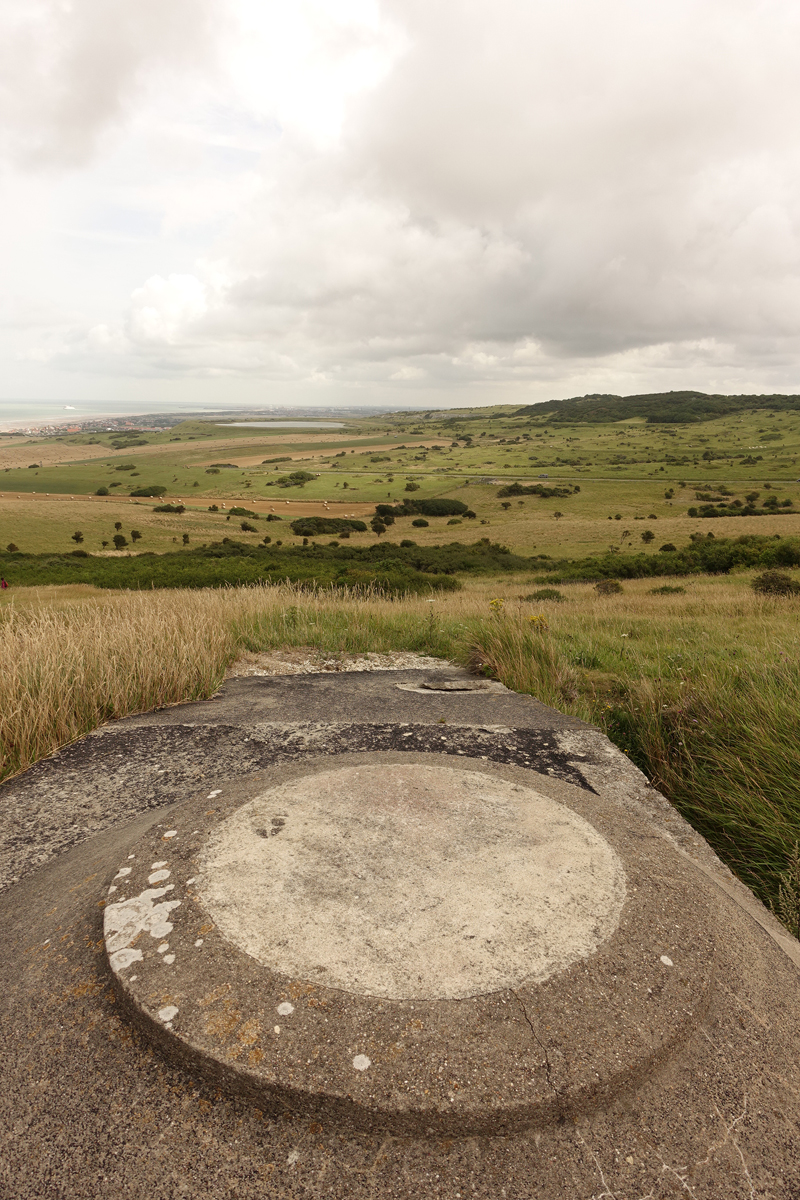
x=701, y=686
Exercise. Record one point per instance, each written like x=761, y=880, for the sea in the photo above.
x=16, y=414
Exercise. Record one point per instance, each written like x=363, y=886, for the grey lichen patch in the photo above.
x=125, y=921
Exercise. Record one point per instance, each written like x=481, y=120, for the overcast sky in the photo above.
x=397, y=201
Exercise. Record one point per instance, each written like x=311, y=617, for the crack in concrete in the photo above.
x=548, y=1070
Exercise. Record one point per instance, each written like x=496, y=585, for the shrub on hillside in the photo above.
x=170, y=508
x=421, y=523
x=608, y=587
x=316, y=526
x=775, y=583
x=425, y=508
x=668, y=590
x=102, y=491
x=535, y=489
x=544, y=594
x=154, y=490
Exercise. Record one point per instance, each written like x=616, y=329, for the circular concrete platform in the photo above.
x=412, y=942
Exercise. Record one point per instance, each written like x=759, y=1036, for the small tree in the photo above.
x=186, y=539
x=135, y=535
x=77, y=537
x=120, y=541
x=648, y=536
x=118, y=525
x=246, y=527
x=378, y=527
x=412, y=487
x=558, y=515
x=506, y=504
x=104, y=544
x=12, y=548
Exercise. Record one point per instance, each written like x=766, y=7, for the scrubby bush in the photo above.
x=775, y=583
x=667, y=548
x=154, y=490
x=421, y=523
x=437, y=507
x=667, y=590
x=170, y=508
x=545, y=594
x=246, y=527
x=412, y=487
x=608, y=587
x=101, y=491
x=120, y=541
x=316, y=526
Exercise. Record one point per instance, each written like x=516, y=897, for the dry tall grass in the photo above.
x=702, y=689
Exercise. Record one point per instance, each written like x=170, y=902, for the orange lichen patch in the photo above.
x=297, y=990
x=222, y=1024
x=248, y=1034
x=91, y=987
x=218, y=993
x=414, y=1024
x=206, y=928
x=78, y=886
x=314, y=1002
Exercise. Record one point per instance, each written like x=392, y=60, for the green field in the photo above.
x=629, y=473
x=690, y=671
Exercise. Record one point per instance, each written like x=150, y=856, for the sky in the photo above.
x=219, y=203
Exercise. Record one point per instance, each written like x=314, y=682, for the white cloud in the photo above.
x=411, y=195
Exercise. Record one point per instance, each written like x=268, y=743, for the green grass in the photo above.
x=700, y=688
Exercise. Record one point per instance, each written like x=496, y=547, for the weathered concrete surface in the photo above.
x=92, y=1107
x=605, y=992
x=410, y=880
